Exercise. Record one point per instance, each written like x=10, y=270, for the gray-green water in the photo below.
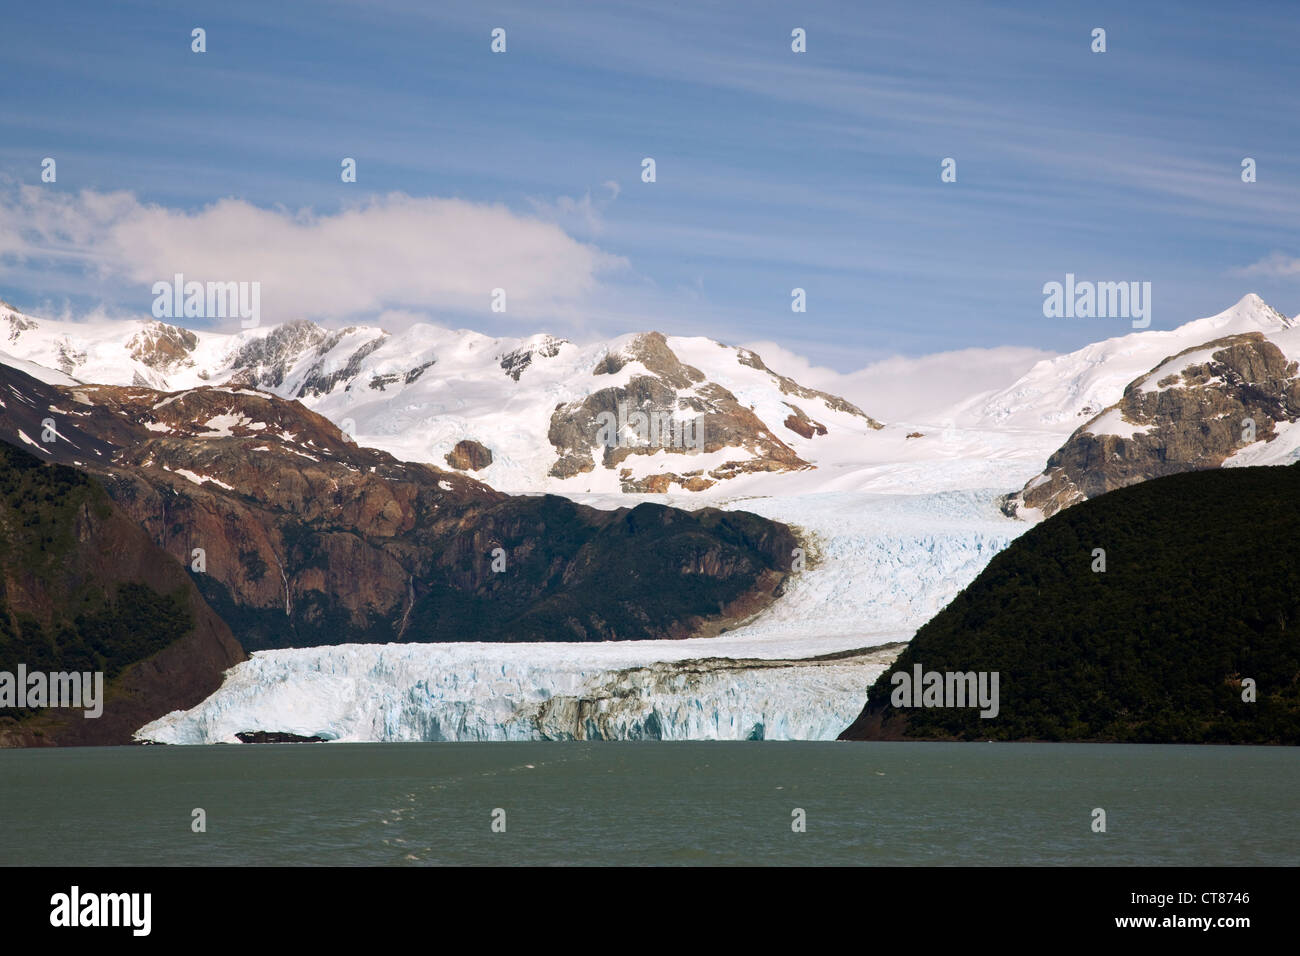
x=651, y=803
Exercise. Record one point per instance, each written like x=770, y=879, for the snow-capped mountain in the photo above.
x=1226, y=393
x=643, y=412
x=1060, y=394
x=897, y=518
x=640, y=413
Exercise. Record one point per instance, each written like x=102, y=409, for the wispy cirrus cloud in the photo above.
x=583, y=214
x=1276, y=265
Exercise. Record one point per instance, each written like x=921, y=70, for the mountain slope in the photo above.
x=306, y=538
x=1062, y=393
x=1201, y=590
x=83, y=588
x=551, y=414
x=1195, y=410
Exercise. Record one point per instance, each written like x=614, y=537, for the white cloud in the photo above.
x=583, y=214
x=904, y=388
x=386, y=252
x=1273, y=266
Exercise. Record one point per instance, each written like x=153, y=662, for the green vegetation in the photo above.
x=39, y=503
x=131, y=626
x=1201, y=590
x=70, y=621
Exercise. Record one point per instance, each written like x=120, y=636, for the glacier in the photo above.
x=482, y=692
x=879, y=566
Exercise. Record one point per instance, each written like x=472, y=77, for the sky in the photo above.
x=774, y=169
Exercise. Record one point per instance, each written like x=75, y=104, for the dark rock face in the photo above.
x=516, y=362
x=275, y=737
x=1190, y=413
x=799, y=423
x=469, y=455
x=83, y=588
x=307, y=539
x=320, y=382
x=414, y=374
x=799, y=427
x=264, y=361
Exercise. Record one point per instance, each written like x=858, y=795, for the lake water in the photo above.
x=651, y=803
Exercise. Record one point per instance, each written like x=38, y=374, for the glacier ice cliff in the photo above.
x=449, y=692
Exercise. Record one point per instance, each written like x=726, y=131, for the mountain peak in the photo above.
x=1251, y=310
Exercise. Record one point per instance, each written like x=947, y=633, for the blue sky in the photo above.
x=775, y=170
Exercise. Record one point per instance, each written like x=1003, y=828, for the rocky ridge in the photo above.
x=297, y=536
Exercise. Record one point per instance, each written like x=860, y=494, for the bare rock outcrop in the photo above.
x=1192, y=412
x=469, y=455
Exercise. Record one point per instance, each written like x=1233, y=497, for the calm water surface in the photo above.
x=651, y=803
